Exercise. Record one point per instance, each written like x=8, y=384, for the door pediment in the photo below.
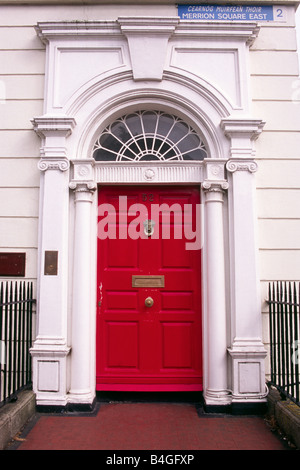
x=84, y=53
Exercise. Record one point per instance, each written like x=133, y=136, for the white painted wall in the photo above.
x=276, y=98
x=297, y=20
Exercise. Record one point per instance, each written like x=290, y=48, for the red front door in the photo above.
x=149, y=287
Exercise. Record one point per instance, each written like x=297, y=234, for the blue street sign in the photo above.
x=231, y=13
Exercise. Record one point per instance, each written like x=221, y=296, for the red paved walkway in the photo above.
x=149, y=426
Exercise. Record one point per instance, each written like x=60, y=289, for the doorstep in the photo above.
x=14, y=415
x=287, y=416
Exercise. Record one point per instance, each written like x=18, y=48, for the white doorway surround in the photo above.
x=95, y=73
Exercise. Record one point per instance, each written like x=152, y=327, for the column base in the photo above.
x=68, y=407
x=238, y=409
x=226, y=403
x=248, y=372
x=217, y=401
x=49, y=360
x=81, y=398
x=258, y=407
x=217, y=409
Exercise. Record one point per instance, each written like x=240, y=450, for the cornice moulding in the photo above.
x=245, y=31
x=245, y=127
x=144, y=2
x=151, y=24
x=148, y=25
x=48, y=30
x=57, y=124
x=74, y=29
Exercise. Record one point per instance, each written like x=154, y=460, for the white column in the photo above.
x=82, y=390
x=50, y=349
x=247, y=352
x=215, y=393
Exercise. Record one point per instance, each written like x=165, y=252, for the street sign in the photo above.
x=232, y=13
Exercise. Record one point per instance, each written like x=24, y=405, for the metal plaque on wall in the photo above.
x=12, y=264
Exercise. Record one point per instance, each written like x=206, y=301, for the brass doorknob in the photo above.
x=149, y=302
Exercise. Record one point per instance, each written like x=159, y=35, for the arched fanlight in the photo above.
x=148, y=136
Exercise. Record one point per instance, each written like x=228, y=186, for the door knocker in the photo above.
x=149, y=227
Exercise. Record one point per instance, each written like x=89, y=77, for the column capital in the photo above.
x=215, y=186
x=83, y=186
x=241, y=165
x=215, y=190
x=53, y=131
x=53, y=163
x=84, y=190
x=83, y=183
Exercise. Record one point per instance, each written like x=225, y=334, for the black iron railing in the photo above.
x=284, y=305
x=16, y=314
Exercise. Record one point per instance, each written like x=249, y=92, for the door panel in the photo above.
x=178, y=333
x=140, y=347
x=127, y=357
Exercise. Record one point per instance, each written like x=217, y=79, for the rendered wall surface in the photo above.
x=275, y=97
